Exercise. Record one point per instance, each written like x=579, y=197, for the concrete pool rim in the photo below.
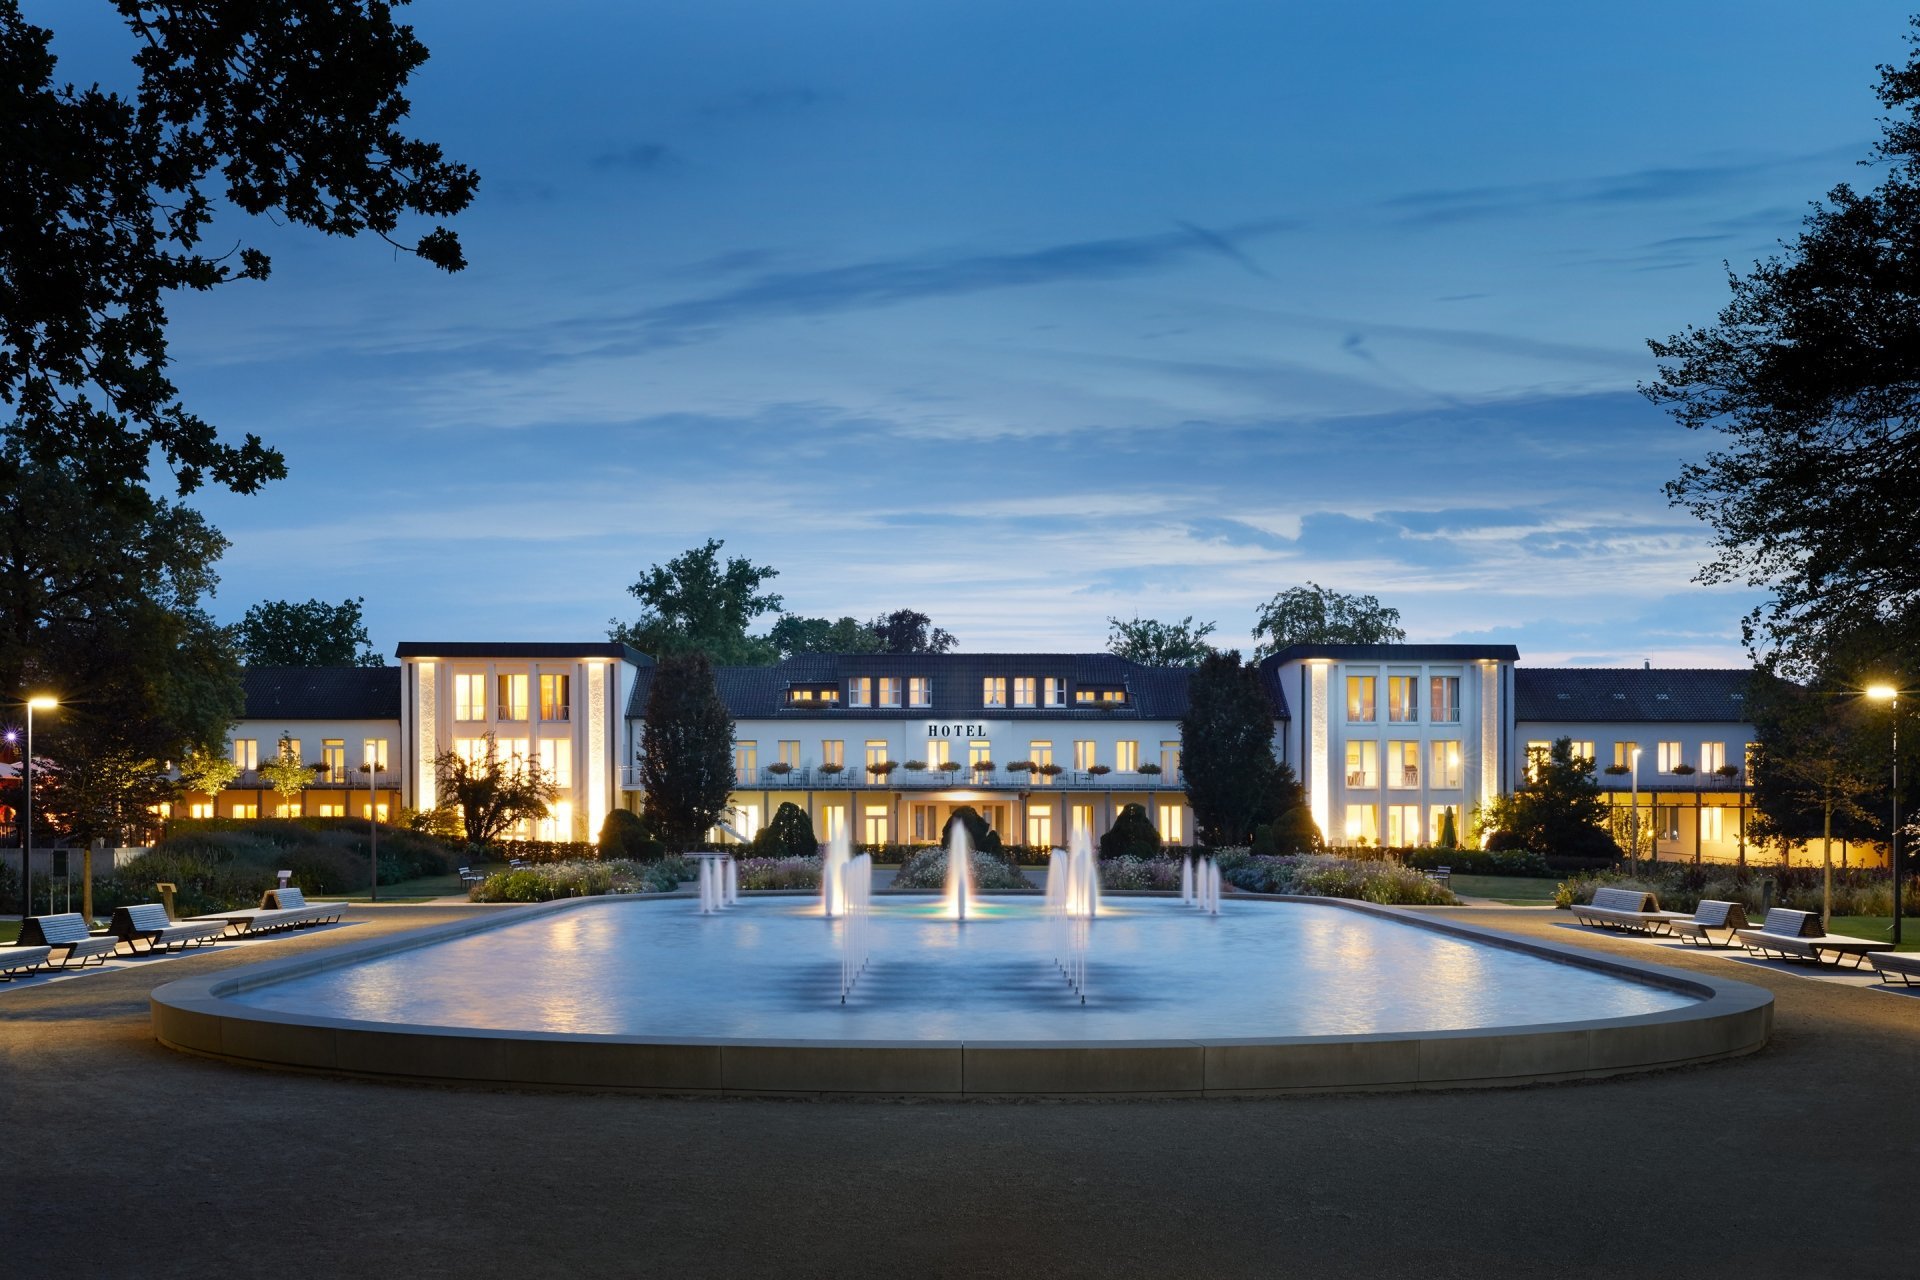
x=1724, y=1019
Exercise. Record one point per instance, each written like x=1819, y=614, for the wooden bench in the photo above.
x=1634, y=909
x=68, y=933
x=1711, y=914
x=1797, y=935
x=21, y=960
x=148, y=923
x=1904, y=965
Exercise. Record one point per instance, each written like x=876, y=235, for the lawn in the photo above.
x=1523, y=891
x=421, y=890
x=1880, y=928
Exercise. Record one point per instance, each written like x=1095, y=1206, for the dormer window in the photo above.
x=993, y=691
x=1097, y=695
x=814, y=695
x=889, y=691
x=919, y=691
x=1023, y=691
x=860, y=691
x=1056, y=691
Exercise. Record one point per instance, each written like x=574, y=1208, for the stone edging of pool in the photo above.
x=1727, y=1019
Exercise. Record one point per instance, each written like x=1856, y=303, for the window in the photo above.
x=556, y=697
x=473, y=751
x=1099, y=695
x=745, y=819
x=876, y=824
x=1023, y=691
x=513, y=696
x=746, y=761
x=289, y=748
x=833, y=820
x=325, y=810
x=1363, y=824
x=246, y=754
x=919, y=691
x=979, y=753
x=1713, y=823
x=814, y=695
x=939, y=751
x=333, y=754
x=373, y=751
x=993, y=691
x=1081, y=819
x=469, y=697
x=860, y=691
x=1041, y=753
x=1441, y=812
x=1170, y=761
x=1126, y=756
x=1584, y=751
x=924, y=821
x=1402, y=705
x=1443, y=699
x=1363, y=764
x=1173, y=827
x=1666, y=822
x=1056, y=691
x=1671, y=754
x=1623, y=753
x=556, y=761
x=241, y=811
x=378, y=812
x=876, y=751
x=1446, y=765
x=1403, y=764
x=516, y=752
x=1360, y=699
x=201, y=811
x=790, y=753
x=1403, y=825
x=1713, y=755
x=294, y=810
x=1085, y=754
x=1538, y=753
x=996, y=816
x=833, y=751
x=1040, y=826
x=889, y=691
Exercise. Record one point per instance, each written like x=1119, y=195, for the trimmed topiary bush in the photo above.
x=628, y=835
x=1132, y=835
x=788, y=835
x=983, y=837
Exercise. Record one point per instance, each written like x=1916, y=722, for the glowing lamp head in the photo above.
x=1882, y=692
x=43, y=702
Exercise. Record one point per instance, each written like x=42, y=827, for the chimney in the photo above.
x=1646, y=664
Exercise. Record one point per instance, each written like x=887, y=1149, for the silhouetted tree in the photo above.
x=1314, y=614
x=696, y=604
x=686, y=762
x=1226, y=746
x=1154, y=643
x=280, y=633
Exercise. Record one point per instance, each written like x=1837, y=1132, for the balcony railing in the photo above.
x=855, y=778
x=349, y=779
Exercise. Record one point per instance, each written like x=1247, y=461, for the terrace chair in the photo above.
x=1904, y=965
x=1711, y=914
x=148, y=923
x=1632, y=909
x=469, y=877
x=1797, y=935
x=68, y=933
x=21, y=961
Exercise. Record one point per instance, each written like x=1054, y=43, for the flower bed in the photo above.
x=780, y=873
x=927, y=869
x=581, y=879
x=1320, y=876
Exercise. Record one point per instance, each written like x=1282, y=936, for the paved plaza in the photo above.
x=132, y=1159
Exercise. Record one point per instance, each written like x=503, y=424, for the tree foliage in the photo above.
x=686, y=762
x=1314, y=614
x=909, y=631
x=207, y=771
x=286, y=773
x=1153, y=643
x=1810, y=378
x=1226, y=744
x=1132, y=835
x=492, y=792
x=280, y=633
x=794, y=634
x=1557, y=811
x=789, y=834
x=625, y=834
x=283, y=108
x=694, y=603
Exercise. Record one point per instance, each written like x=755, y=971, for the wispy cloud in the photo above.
x=638, y=157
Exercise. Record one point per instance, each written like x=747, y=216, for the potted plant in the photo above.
x=780, y=769
x=1683, y=769
x=1099, y=770
x=1149, y=768
x=984, y=766
x=948, y=767
x=1019, y=766
x=832, y=770
x=916, y=766
x=881, y=768
x=1051, y=770
x=1618, y=770
x=1728, y=771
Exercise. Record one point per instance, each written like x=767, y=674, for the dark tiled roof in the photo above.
x=1398, y=653
x=474, y=649
x=1630, y=693
x=759, y=693
x=322, y=693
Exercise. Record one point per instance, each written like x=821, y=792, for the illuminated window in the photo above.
x=556, y=697
x=1623, y=754
x=1713, y=755
x=469, y=696
x=473, y=751
x=1666, y=822
x=1363, y=824
x=1099, y=695
x=1403, y=825
x=833, y=820
x=283, y=810
x=1360, y=699
x=1671, y=755
x=325, y=810
x=556, y=761
x=919, y=691
x=939, y=751
x=1055, y=690
x=289, y=749
x=1170, y=760
x=1440, y=814
x=1446, y=765
x=377, y=812
x=1584, y=751
x=746, y=761
x=1172, y=821
x=745, y=819
x=512, y=699
x=1085, y=754
x=876, y=824
x=979, y=753
x=246, y=754
x=1538, y=753
x=790, y=753
x=1403, y=764
x=1083, y=818
x=1126, y=756
x=1023, y=693
x=876, y=751
x=1041, y=753
x=889, y=691
x=515, y=752
x=1713, y=823
x=243, y=811
x=1040, y=826
x=1363, y=764
x=833, y=751
x=925, y=822
x=993, y=691
x=373, y=751
x=201, y=811
x=1443, y=699
x=333, y=754
x=1402, y=706
x=860, y=691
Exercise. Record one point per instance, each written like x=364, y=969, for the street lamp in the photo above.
x=40, y=702
x=1890, y=695
x=1633, y=825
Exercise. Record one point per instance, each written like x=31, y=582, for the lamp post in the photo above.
x=373, y=826
x=1890, y=695
x=41, y=702
x=1633, y=823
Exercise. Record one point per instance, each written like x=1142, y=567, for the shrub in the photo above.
x=983, y=837
x=628, y=835
x=1384, y=882
x=227, y=864
x=1295, y=831
x=927, y=869
x=1131, y=836
x=542, y=851
x=1140, y=873
x=780, y=873
x=1479, y=862
x=788, y=835
x=581, y=878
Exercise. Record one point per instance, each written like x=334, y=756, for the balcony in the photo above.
x=349, y=779
x=961, y=779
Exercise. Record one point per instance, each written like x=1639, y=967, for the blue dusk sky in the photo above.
x=1028, y=314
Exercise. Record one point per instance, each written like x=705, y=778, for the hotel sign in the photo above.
x=964, y=730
